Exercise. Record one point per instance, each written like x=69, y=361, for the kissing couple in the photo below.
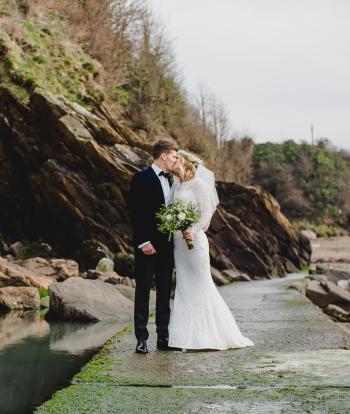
x=199, y=319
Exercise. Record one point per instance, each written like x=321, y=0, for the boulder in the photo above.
x=93, y=274
x=129, y=282
x=337, y=294
x=337, y=313
x=344, y=284
x=321, y=269
x=78, y=299
x=312, y=270
x=19, y=298
x=30, y=272
x=40, y=281
x=65, y=268
x=129, y=293
x=124, y=264
x=320, y=278
x=4, y=280
x=310, y=234
x=334, y=275
x=105, y=265
x=235, y=276
x=111, y=277
x=12, y=274
x=317, y=294
x=38, y=266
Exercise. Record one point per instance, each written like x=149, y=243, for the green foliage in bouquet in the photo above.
x=178, y=216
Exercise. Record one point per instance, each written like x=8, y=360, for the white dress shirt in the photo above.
x=166, y=191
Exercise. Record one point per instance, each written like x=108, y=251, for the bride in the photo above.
x=200, y=319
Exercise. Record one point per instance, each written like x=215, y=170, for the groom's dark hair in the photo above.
x=162, y=146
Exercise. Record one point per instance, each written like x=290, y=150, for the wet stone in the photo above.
x=299, y=364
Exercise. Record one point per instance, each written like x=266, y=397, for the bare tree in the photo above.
x=213, y=115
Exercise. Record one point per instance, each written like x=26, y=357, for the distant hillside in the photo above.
x=110, y=51
x=310, y=182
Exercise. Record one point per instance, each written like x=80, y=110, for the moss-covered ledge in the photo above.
x=95, y=371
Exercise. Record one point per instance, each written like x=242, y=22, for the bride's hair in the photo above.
x=190, y=168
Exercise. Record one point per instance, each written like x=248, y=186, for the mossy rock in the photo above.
x=124, y=264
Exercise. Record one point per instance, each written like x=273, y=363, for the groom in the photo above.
x=150, y=189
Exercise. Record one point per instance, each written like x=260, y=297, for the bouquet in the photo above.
x=178, y=216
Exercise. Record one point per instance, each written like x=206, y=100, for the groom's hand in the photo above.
x=148, y=249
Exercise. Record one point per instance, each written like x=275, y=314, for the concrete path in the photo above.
x=300, y=364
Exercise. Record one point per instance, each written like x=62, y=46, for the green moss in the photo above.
x=121, y=95
x=96, y=399
x=43, y=292
x=304, y=268
x=88, y=66
x=102, y=389
x=97, y=370
x=47, y=59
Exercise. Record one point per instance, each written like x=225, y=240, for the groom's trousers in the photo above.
x=159, y=266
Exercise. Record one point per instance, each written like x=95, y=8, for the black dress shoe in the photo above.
x=162, y=344
x=141, y=347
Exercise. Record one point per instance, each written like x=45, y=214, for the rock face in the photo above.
x=36, y=271
x=318, y=294
x=70, y=169
x=79, y=299
x=249, y=231
x=19, y=298
x=322, y=290
x=337, y=294
x=337, y=313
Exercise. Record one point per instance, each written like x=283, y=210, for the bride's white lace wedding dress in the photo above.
x=200, y=318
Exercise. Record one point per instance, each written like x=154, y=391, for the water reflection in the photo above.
x=37, y=357
x=16, y=327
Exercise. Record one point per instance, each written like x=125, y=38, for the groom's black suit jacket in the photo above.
x=146, y=199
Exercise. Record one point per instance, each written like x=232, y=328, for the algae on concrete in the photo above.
x=289, y=370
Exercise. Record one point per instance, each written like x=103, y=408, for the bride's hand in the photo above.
x=188, y=235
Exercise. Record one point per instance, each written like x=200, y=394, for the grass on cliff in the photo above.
x=41, y=56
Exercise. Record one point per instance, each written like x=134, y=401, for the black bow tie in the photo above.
x=167, y=176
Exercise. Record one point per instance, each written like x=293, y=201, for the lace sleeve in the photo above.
x=205, y=204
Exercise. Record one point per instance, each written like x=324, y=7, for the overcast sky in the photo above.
x=278, y=66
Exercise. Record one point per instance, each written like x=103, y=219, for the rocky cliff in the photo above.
x=64, y=179
x=67, y=159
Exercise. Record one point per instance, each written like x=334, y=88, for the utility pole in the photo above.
x=312, y=134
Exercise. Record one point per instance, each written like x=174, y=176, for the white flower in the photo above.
x=168, y=216
x=181, y=216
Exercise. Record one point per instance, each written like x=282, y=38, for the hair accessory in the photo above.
x=190, y=157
